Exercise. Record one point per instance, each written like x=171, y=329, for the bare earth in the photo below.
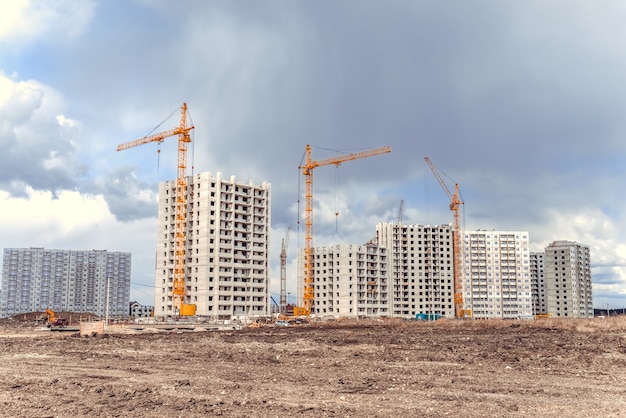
x=546, y=368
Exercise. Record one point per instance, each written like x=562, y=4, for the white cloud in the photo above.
x=23, y=20
x=40, y=148
x=19, y=99
x=63, y=121
x=41, y=215
x=12, y=18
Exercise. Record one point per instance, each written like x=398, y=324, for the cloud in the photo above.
x=127, y=197
x=38, y=151
x=25, y=20
x=50, y=218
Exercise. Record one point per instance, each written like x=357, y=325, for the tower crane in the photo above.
x=180, y=213
x=307, y=171
x=283, y=272
x=455, y=205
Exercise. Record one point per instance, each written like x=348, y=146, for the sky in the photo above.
x=520, y=103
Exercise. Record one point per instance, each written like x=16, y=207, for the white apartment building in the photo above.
x=538, y=283
x=34, y=279
x=496, y=274
x=351, y=281
x=227, y=247
x=422, y=268
x=568, y=280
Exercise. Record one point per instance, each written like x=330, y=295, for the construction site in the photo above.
x=384, y=339
x=393, y=368
x=214, y=263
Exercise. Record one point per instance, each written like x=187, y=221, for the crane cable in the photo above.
x=159, y=142
x=193, y=143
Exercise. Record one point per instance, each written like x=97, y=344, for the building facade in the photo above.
x=422, y=268
x=538, y=283
x=34, y=279
x=496, y=274
x=137, y=310
x=227, y=247
x=568, y=280
x=407, y=271
x=351, y=281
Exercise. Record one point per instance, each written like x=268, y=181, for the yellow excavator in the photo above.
x=53, y=321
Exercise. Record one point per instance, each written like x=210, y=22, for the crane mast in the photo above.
x=400, y=212
x=455, y=206
x=307, y=171
x=283, y=272
x=180, y=213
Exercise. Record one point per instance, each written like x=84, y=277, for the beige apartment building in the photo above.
x=496, y=274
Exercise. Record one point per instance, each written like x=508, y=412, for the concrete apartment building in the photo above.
x=538, y=283
x=227, y=247
x=351, y=281
x=568, y=280
x=409, y=270
x=422, y=268
x=34, y=279
x=496, y=274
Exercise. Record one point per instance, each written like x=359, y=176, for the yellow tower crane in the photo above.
x=178, y=287
x=307, y=171
x=455, y=206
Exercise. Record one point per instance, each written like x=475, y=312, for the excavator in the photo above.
x=53, y=321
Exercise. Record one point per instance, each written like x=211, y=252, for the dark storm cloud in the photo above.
x=128, y=198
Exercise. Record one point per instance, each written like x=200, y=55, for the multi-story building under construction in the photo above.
x=92, y=281
x=226, y=247
x=422, y=269
x=538, y=283
x=351, y=281
x=408, y=270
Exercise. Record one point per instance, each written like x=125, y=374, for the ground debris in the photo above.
x=358, y=369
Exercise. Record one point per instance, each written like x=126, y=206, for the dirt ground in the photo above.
x=545, y=368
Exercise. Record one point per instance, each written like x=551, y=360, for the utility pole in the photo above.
x=106, y=309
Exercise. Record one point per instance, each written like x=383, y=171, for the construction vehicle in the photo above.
x=307, y=171
x=455, y=205
x=283, y=273
x=50, y=314
x=179, y=294
x=58, y=322
x=53, y=321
